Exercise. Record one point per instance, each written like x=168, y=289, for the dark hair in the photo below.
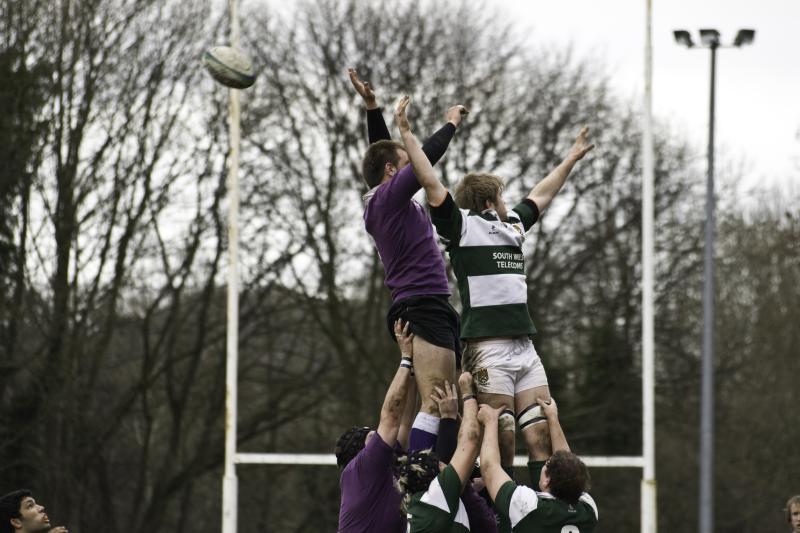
x=9, y=508
x=378, y=154
x=794, y=500
x=349, y=444
x=415, y=472
x=474, y=190
x=569, y=477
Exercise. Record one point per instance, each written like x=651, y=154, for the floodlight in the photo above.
x=683, y=37
x=744, y=37
x=709, y=37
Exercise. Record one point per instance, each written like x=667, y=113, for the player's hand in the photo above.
x=446, y=399
x=549, y=407
x=488, y=415
x=405, y=339
x=478, y=484
x=400, y=114
x=363, y=88
x=455, y=114
x=465, y=384
x=581, y=146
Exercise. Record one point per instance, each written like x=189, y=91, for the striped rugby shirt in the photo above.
x=487, y=259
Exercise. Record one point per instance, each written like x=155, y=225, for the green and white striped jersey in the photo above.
x=487, y=259
x=540, y=512
x=439, y=509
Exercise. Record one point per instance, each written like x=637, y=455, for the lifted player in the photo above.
x=562, y=505
x=406, y=243
x=484, y=241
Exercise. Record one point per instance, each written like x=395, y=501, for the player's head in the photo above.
x=415, y=472
x=478, y=192
x=565, y=476
x=350, y=443
x=19, y=512
x=383, y=158
x=793, y=512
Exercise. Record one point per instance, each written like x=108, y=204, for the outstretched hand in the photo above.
x=549, y=407
x=405, y=339
x=455, y=114
x=488, y=414
x=400, y=114
x=581, y=146
x=446, y=399
x=363, y=88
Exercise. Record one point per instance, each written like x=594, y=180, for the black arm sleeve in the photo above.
x=436, y=145
x=447, y=439
x=376, y=126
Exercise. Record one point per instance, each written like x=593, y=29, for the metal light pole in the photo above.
x=709, y=39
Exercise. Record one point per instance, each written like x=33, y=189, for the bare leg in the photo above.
x=537, y=435
x=432, y=365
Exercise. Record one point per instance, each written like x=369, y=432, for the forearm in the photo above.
x=558, y=440
x=407, y=419
x=545, y=190
x=436, y=145
x=447, y=439
x=491, y=470
x=376, y=125
x=423, y=169
x=393, y=405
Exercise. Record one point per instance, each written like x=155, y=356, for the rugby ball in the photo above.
x=229, y=66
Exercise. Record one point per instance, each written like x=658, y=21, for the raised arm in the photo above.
x=492, y=472
x=376, y=126
x=469, y=435
x=436, y=145
x=557, y=438
x=423, y=169
x=544, y=191
x=405, y=341
x=394, y=402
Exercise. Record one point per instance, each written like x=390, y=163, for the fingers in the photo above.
x=463, y=110
x=405, y=329
x=403, y=104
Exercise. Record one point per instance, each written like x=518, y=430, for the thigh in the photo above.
x=528, y=397
x=432, y=366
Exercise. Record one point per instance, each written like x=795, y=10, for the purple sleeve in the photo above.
x=376, y=457
x=396, y=193
x=481, y=517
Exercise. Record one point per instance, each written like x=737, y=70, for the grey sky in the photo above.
x=758, y=87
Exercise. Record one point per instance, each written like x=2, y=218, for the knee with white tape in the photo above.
x=506, y=421
x=532, y=414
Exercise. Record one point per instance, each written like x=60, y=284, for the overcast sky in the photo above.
x=758, y=86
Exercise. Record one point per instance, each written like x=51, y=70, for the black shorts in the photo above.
x=432, y=318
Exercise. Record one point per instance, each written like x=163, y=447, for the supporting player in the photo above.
x=562, y=504
x=19, y=513
x=406, y=243
x=793, y=513
x=484, y=241
x=370, y=501
x=437, y=497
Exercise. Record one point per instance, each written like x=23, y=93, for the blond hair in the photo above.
x=475, y=190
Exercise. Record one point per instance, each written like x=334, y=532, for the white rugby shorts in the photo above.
x=504, y=366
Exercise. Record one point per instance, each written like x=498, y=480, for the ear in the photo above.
x=387, y=169
x=16, y=523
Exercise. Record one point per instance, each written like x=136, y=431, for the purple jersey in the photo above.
x=405, y=239
x=370, y=501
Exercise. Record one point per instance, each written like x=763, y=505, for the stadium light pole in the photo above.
x=230, y=484
x=709, y=38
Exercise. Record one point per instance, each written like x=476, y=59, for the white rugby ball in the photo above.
x=229, y=66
